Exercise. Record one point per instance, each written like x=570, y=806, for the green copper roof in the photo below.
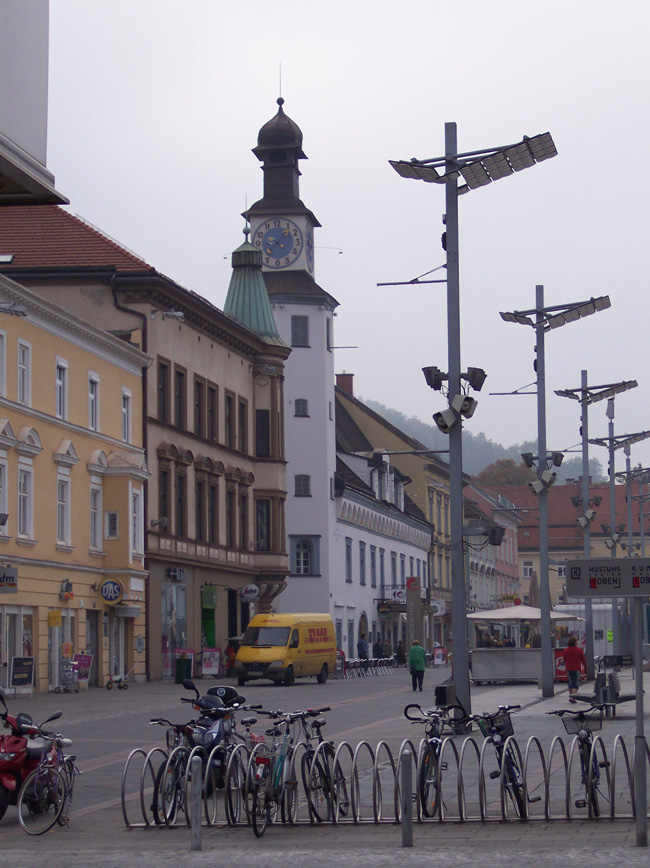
x=248, y=300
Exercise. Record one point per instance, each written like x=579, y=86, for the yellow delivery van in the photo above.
x=285, y=647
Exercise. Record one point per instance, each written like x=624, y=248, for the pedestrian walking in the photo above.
x=575, y=662
x=363, y=650
x=377, y=649
x=400, y=654
x=417, y=664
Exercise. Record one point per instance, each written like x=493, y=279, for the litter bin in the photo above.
x=183, y=669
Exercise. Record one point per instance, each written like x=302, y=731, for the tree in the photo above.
x=505, y=471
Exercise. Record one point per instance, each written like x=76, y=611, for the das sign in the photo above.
x=111, y=591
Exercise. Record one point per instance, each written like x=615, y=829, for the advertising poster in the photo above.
x=211, y=662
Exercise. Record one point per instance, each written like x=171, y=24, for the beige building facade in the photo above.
x=72, y=476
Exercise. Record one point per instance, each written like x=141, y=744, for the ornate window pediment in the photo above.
x=28, y=442
x=7, y=436
x=66, y=454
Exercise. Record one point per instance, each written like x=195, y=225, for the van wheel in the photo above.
x=289, y=677
x=322, y=675
x=240, y=681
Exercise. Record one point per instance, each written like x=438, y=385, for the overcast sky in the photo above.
x=154, y=106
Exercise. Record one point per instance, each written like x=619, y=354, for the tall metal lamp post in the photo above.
x=590, y=395
x=614, y=442
x=546, y=319
x=477, y=169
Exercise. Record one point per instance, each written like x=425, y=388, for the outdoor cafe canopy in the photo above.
x=519, y=613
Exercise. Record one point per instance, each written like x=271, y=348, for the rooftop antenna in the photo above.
x=280, y=78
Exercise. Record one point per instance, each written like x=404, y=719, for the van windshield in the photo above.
x=266, y=636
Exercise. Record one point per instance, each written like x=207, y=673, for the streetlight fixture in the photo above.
x=590, y=395
x=547, y=318
x=477, y=168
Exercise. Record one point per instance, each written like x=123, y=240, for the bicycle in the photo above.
x=325, y=784
x=438, y=723
x=271, y=776
x=582, y=724
x=45, y=797
x=498, y=727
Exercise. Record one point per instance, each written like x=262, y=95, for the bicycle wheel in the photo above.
x=513, y=783
x=260, y=808
x=290, y=791
x=428, y=783
x=235, y=784
x=168, y=791
x=594, y=807
x=337, y=784
x=41, y=800
x=318, y=789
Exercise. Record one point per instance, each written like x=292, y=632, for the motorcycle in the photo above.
x=212, y=731
x=20, y=752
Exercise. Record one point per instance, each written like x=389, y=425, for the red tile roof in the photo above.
x=48, y=237
x=563, y=528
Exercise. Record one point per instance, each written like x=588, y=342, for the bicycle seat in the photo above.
x=249, y=721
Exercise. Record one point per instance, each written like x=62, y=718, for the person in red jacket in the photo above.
x=575, y=662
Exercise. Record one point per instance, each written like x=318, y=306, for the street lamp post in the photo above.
x=547, y=318
x=614, y=442
x=589, y=395
x=477, y=168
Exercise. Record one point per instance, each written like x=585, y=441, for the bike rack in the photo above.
x=371, y=773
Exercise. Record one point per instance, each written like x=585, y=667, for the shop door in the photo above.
x=116, y=646
x=60, y=638
x=16, y=639
x=92, y=645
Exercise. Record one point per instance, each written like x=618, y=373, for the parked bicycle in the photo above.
x=325, y=784
x=271, y=776
x=498, y=727
x=583, y=724
x=45, y=797
x=438, y=723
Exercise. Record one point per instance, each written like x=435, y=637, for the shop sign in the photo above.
x=66, y=650
x=439, y=607
x=54, y=618
x=384, y=608
x=111, y=591
x=399, y=595
x=9, y=580
x=249, y=593
x=209, y=597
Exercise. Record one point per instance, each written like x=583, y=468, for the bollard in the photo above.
x=196, y=792
x=407, y=800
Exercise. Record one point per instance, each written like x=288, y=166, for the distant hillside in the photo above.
x=478, y=451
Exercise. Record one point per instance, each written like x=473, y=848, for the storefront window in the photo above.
x=174, y=625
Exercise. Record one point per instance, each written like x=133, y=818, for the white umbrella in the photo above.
x=518, y=613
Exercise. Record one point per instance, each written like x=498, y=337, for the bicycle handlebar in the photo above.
x=442, y=712
x=576, y=711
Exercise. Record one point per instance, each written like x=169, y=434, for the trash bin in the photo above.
x=445, y=694
x=183, y=669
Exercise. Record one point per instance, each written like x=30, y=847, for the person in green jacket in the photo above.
x=417, y=664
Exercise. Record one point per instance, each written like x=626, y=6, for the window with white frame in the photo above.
x=96, y=535
x=25, y=502
x=63, y=510
x=93, y=402
x=24, y=373
x=3, y=364
x=61, y=389
x=137, y=526
x=126, y=415
x=528, y=569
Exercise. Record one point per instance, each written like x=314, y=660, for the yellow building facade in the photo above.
x=72, y=475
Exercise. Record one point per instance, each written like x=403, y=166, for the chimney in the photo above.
x=344, y=382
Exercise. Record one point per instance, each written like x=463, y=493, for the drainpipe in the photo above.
x=145, y=443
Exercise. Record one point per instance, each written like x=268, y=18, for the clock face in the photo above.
x=280, y=241
x=310, y=248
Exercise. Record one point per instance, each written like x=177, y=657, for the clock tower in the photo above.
x=281, y=227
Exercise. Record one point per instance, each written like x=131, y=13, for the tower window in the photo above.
x=299, y=331
x=303, y=485
x=301, y=407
